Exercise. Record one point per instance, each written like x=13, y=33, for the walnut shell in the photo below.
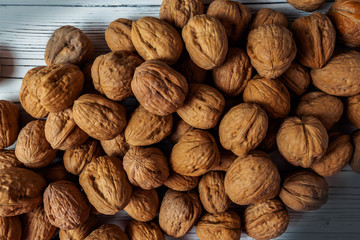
x=180, y=182
x=266, y=220
x=352, y=110
x=203, y=106
x=99, y=117
x=243, y=128
x=206, y=41
x=56, y=172
x=108, y=232
x=328, y=109
x=296, y=78
x=105, y=183
x=9, y=123
x=304, y=190
x=302, y=141
x=116, y=147
x=233, y=75
x=159, y=88
x=191, y=71
x=8, y=159
x=226, y=225
x=10, y=228
x=143, y=205
x=355, y=160
x=112, y=74
x=178, y=212
x=226, y=159
x=233, y=15
x=145, y=128
x=32, y=148
x=142, y=230
x=146, y=167
x=306, y=5
x=80, y=232
x=252, y=179
x=155, y=39
x=194, y=154
x=268, y=16
x=118, y=35
x=271, y=49
x=179, y=129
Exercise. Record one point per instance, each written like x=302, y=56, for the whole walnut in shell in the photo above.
x=271, y=49
x=203, y=106
x=296, y=78
x=118, y=35
x=206, y=41
x=304, y=190
x=355, y=160
x=143, y=205
x=80, y=232
x=144, y=230
x=8, y=159
x=159, y=88
x=266, y=220
x=306, y=5
x=179, y=129
x=116, y=147
x=68, y=44
x=268, y=16
x=108, y=232
x=178, y=212
x=252, y=179
x=10, y=228
x=353, y=110
x=9, y=123
x=180, y=182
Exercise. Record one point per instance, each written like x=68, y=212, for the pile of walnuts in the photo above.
x=217, y=92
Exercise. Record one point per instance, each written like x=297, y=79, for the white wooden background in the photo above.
x=25, y=27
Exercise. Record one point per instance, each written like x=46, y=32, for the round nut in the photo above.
x=296, y=78
x=226, y=159
x=355, y=160
x=353, y=110
x=80, y=232
x=142, y=230
x=108, y=232
x=191, y=71
x=116, y=147
x=180, y=128
x=118, y=35
x=10, y=228
x=9, y=123
x=268, y=16
x=143, y=205
x=178, y=182
x=306, y=5
x=8, y=159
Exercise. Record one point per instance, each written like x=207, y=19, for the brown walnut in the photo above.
x=306, y=5
x=268, y=16
x=118, y=35
x=108, y=232
x=81, y=232
x=296, y=78
x=9, y=123
x=226, y=159
x=116, y=147
x=353, y=110
x=8, y=159
x=269, y=142
x=10, y=228
x=191, y=71
x=144, y=230
x=56, y=172
x=179, y=129
x=143, y=205
x=180, y=182
x=355, y=160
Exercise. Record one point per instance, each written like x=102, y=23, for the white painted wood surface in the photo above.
x=25, y=27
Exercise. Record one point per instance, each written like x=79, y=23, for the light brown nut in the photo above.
x=108, y=232
x=36, y=225
x=10, y=228
x=178, y=212
x=243, y=128
x=226, y=225
x=145, y=128
x=179, y=129
x=142, y=230
x=159, y=88
x=116, y=147
x=99, y=117
x=328, y=109
x=340, y=76
x=212, y=192
x=306, y=5
x=112, y=74
x=191, y=71
x=180, y=182
x=62, y=132
x=194, y=154
x=252, y=179
x=296, y=78
x=206, y=41
x=304, y=190
x=302, y=141
x=266, y=220
x=353, y=110
x=9, y=123
x=233, y=75
x=268, y=16
x=226, y=159
x=56, y=172
x=80, y=232
x=271, y=49
x=315, y=37
x=8, y=159
x=106, y=186
x=118, y=35
x=269, y=143
x=155, y=39
x=345, y=15
x=21, y=191
x=355, y=160
x=77, y=158
x=233, y=15
x=32, y=148
x=146, y=168
x=203, y=106
x=143, y=205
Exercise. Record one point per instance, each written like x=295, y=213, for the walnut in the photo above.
x=159, y=88
x=62, y=132
x=8, y=159
x=32, y=148
x=268, y=16
x=296, y=78
x=68, y=44
x=105, y=183
x=243, y=128
x=146, y=167
x=206, y=41
x=178, y=212
x=10, y=228
x=353, y=110
x=194, y=154
x=118, y=35
x=179, y=129
x=226, y=225
x=180, y=182
x=252, y=179
x=233, y=75
x=116, y=147
x=56, y=172
x=212, y=192
x=226, y=159
x=302, y=141
x=315, y=37
x=145, y=128
x=112, y=74
x=304, y=190
x=355, y=160
x=143, y=230
x=306, y=5
x=233, y=15
x=99, y=117
x=155, y=39
x=345, y=15
x=21, y=191
x=203, y=106
x=340, y=76
x=271, y=49
x=266, y=220
x=191, y=71
x=269, y=142
x=80, y=232
x=108, y=232
x=328, y=109
x=9, y=123
x=143, y=205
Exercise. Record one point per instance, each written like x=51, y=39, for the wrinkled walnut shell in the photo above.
x=226, y=159
x=142, y=230
x=108, y=232
x=180, y=182
x=143, y=205
x=10, y=228
x=353, y=110
x=8, y=159
x=9, y=123
x=118, y=35
x=268, y=16
x=56, y=172
x=179, y=129
x=80, y=232
x=296, y=78
x=306, y=5
x=116, y=147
